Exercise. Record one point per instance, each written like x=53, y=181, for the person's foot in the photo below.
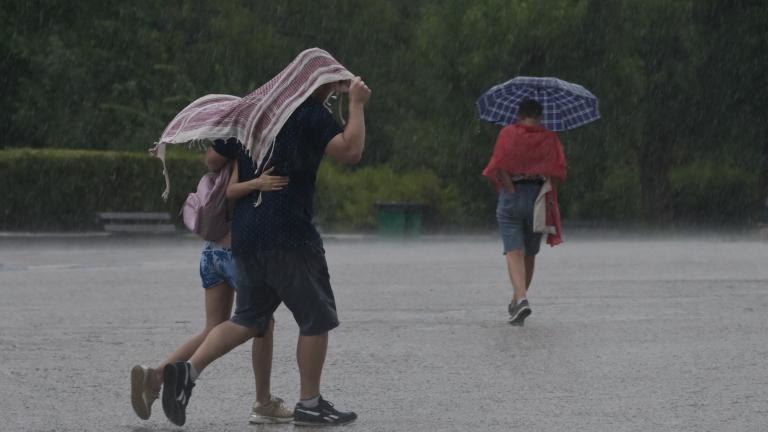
x=142, y=392
x=177, y=388
x=323, y=414
x=274, y=412
x=519, y=312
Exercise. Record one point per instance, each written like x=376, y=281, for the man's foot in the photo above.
x=519, y=312
x=323, y=414
x=142, y=393
x=274, y=412
x=177, y=388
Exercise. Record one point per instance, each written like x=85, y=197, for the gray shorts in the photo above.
x=297, y=277
x=514, y=212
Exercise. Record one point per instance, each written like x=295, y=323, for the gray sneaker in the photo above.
x=274, y=412
x=519, y=312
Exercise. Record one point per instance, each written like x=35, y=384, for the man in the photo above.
x=525, y=160
x=279, y=253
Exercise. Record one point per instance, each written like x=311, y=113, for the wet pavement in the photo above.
x=643, y=334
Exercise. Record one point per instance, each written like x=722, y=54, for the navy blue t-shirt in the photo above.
x=283, y=220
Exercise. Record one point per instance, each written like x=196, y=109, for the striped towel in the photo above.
x=255, y=119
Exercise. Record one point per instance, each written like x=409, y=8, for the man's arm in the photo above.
x=347, y=147
x=506, y=180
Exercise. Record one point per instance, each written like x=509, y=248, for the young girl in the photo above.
x=219, y=275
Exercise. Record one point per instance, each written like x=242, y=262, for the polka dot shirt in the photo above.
x=284, y=218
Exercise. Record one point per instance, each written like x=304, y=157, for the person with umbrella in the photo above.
x=526, y=159
x=526, y=156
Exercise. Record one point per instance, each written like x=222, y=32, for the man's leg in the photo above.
x=307, y=292
x=312, y=409
x=310, y=355
x=179, y=377
x=519, y=309
x=517, y=274
x=222, y=339
x=146, y=382
x=218, y=307
x=530, y=264
x=255, y=305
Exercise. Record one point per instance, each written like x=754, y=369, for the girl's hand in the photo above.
x=267, y=182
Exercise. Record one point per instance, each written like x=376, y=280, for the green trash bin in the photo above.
x=399, y=219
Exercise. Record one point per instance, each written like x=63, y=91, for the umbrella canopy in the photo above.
x=566, y=105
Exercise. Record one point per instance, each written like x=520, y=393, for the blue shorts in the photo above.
x=217, y=266
x=514, y=213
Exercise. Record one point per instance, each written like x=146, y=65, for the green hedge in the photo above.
x=346, y=198
x=64, y=189
x=616, y=198
x=714, y=192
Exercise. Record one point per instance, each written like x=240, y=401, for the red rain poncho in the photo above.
x=531, y=151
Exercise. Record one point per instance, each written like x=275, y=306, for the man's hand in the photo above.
x=359, y=93
x=347, y=147
x=506, y=180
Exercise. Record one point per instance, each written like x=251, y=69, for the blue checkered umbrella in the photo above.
x=566, y=105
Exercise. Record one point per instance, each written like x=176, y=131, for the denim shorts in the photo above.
x=217, y=266
x=514, y=212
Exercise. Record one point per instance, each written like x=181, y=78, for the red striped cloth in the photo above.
x=255, y=119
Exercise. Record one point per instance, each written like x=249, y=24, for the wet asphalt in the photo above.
x=627, y=334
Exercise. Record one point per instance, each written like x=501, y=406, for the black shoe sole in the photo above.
x=519, y=320
x=310, y=423
x=170, y=407
x=307, y=420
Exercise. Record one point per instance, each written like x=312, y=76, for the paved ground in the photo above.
x=626, y=335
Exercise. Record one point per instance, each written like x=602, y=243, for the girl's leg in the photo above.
x=261, y=354
x=218, y=307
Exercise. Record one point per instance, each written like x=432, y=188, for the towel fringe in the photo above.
x=158, y=150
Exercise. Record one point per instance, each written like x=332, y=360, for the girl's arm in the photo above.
x=265, y=183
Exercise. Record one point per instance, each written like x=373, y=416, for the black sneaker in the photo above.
x=519, y=313
x=324, y=414
x=177, y=388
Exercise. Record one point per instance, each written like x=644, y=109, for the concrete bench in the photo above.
x=137, y=222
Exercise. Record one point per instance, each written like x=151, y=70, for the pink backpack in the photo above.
x=205, y=211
